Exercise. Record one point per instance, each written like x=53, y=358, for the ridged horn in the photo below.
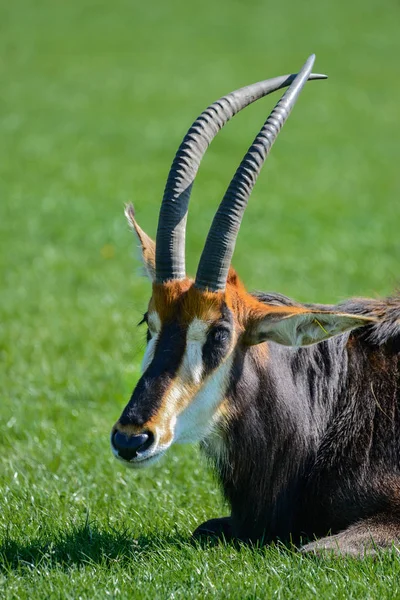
x=170, y=241
x=218, y=250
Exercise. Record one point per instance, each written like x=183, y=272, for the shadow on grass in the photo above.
x=89, y=544
x=83, y=545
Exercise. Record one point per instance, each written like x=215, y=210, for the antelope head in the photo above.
x=195, y=327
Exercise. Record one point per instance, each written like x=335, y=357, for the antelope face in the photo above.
x=185, y=372
x=195, y=327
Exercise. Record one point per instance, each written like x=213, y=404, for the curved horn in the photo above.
x=218, y=250
x=170, y=241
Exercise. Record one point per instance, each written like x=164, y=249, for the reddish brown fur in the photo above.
x=182, y=299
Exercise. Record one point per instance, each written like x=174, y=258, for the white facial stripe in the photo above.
x=154, y=323
x=149, y=354
x=192, y=365
x=197, y=331
x=198, y=418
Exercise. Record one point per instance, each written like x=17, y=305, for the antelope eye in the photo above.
x=221, y=335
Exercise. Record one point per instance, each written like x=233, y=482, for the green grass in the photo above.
x=94, y=100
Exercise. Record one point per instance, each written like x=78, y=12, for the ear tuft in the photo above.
x=130, y=214
x=146, y=244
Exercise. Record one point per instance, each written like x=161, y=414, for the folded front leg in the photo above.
x=215, y=528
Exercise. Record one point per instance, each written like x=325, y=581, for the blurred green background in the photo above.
x=95, y=98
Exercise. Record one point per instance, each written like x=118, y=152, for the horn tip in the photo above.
x=310, y=62
x=318, y=76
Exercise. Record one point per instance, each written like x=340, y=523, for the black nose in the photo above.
x=129, y=445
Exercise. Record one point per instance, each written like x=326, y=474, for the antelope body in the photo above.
x=296, y=405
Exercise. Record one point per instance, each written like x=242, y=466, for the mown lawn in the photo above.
x=95, y=97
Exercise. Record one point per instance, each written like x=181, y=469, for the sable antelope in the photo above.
x=296, y=405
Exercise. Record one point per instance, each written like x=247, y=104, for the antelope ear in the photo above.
x=302, y=328
x=147, y=245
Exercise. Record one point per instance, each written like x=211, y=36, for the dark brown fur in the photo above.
x=311, y=435
x=313, y=438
